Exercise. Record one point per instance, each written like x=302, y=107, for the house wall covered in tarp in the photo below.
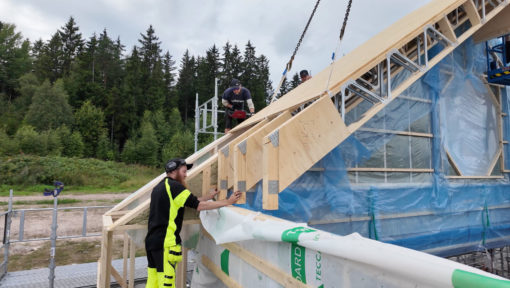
x=427, y=172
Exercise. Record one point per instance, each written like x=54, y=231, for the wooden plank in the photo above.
x=131, y=215
x=229, y=282
x=452, y=163
x=145, y=191
x=180, y=279
x=472, y=13
x=302, y=141
x=132, y=256
x=105, y=259
x=206, y=180
x=360, y=60
x=233, y=144
x=240, y=172
x=107, y=221
x=226, y=161
x=270, y=175
x=252, y=161
x=494, y=162
x=125, y=250
x=404, y=133
x=118, y=278
x=497, y=26
x=446, y=28
x=222, y=173
x=263, y=266
x=404, y=170
x=474, y=177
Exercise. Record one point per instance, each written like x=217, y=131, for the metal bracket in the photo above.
x=242, y=147
x=275, y=138
x=225, y=151
x=241, y=185
x=363, y=92
x=272, y=186
x=436, y=35
x=223, y=185
x=403, y=61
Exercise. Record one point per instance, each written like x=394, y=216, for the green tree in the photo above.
x=169, y=79
x=129, y=153
x=72, y=43
x=30, y=142
x=14, y=59
x=49, y=108
x=181, y=145
x=295, y=81
x=147, y=146
x=50, y=60
x=186, y=87
x=89, y=121
x=53, y=142
x=104, y=148
x=8, y=145
x=153, y=82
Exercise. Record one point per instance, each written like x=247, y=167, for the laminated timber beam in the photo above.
x=226, y=162
x=194, y=172
x=248, y=155
x=144, y=192
x=296, y=145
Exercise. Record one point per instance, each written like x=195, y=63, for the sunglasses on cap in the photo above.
x=176, y=163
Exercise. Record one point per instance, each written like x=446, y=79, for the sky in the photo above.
x=273, y=27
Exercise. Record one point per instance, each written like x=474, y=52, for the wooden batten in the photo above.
x=229, y=282
x=233, y=144
x=254, y=151
x=226, y=161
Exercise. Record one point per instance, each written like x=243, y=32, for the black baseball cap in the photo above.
x=175, y=163
x=235, y=83
x=303, y=73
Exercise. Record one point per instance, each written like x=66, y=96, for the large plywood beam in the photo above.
x=497, y=26
x=297, y=144
x=360, y=60
x=248, y=163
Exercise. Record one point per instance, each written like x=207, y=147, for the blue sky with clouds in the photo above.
x=273, y=26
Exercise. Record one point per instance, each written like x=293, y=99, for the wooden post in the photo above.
x=132, y=256
x=180, y=281
x=206, y=180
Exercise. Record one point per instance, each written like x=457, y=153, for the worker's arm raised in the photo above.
x=209, y=205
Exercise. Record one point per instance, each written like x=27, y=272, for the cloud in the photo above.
x=273, y=27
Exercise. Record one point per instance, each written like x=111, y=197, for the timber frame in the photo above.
x=281, y=142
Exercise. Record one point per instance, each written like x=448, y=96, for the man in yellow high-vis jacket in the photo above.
x=168, y=199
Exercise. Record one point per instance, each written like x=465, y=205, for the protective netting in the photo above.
x=446, y=124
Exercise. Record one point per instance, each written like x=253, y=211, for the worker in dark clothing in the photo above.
x=163, y=243
x=233, y=99
x=303, y=74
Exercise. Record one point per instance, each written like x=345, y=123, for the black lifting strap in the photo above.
x=289, y=64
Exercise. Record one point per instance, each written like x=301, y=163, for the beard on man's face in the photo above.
x=181, y=179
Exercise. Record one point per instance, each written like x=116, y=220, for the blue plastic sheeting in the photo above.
x=451, y=110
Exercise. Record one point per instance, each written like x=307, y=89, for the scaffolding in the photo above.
x=206, y=116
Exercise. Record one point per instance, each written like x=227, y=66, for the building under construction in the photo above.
x=402, y=158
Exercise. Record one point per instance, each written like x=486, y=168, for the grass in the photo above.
x=67, y=252
x=29, y=175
